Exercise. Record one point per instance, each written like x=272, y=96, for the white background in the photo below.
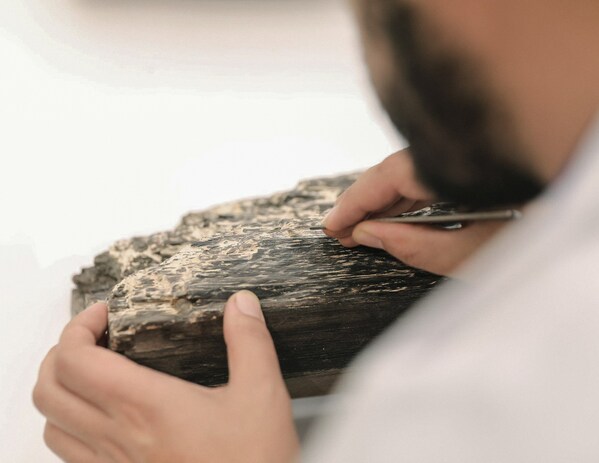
x=119, y=116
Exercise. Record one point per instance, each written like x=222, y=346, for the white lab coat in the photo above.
x=502, y=367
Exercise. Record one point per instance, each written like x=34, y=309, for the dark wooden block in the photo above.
x=323, y=303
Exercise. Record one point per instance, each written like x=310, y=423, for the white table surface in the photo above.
x=118, y=117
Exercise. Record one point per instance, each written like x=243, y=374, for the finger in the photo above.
x=403, y=205
x=375, y=190
x=88, y=327
x=251, y=353
x=339, y=234
x=104, y=378
x=425, y=247
x=65, y=409
x=94, y=373
x=348, y=241
x=128, y=396
x=67, y=447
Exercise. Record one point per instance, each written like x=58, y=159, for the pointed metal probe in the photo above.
x=440, y=219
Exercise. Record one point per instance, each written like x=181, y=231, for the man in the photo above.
x=497, y=100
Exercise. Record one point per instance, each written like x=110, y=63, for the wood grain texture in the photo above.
x=308, y=201
x=322, y=302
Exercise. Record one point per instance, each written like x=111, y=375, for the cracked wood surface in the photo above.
x=322, y=302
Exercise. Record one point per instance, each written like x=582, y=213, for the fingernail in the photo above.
x=331, y=214
x=366, y=239
x=248, y=304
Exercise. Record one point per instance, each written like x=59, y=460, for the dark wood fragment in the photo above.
x=322, y=302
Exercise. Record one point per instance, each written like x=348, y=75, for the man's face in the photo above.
x=461, y=136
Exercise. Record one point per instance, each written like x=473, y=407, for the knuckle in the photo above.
x=47, y=362
x=52, y=351
x=390, y=159
x=40, y=396
x=64, y=362
x=379, y=169
x=50, y=436
x=72, y=329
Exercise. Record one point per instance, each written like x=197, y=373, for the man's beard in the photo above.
x=463, y=146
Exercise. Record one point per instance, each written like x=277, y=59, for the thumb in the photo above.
x=428, y=248
x=251, y=353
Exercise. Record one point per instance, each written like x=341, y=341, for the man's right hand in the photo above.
x=391, y=188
